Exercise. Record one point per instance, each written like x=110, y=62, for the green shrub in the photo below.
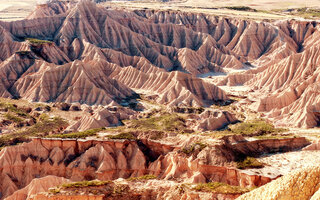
x=248, y=163
x=35, y=41
x=82, y=184
x=258, y=127
x=220, y=188
x=54, y=190
x=308, y=12
x=122, y=136
x=191, y=148
x=241, y=8
x=10, y=140
x=81, y=134
x=9, y=107
x=141, y=178
x=13, y=118
x=45, y=125
x=165, y=122
x=250, y=128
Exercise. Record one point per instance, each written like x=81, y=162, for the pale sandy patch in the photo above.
x=282, y=164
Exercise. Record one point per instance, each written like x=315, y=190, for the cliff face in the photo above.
x=79, y=160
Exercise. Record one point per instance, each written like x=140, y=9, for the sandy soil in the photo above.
x=197, y=8
x=215, y=7
x=15, y=9
x=282, y=164
x=258, y=4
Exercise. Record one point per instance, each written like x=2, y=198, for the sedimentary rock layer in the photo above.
x=79, y=160
x=302, y=184
x=142, y=48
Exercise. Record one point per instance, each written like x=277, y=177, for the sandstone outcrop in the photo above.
x=301, y=184
x=74, y=160
x=36, y=186
x=107, y=160
x=79, y=160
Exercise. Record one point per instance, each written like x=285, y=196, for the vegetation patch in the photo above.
x=249, y=163
x=142, y=178
x=165, y=122
x=307, y=12
x=43, y=126
x=257, y=127
x=241, y=8
x=122, y=136
x=13, y=118
x=9, y=107
x=220, y=188
x=35, y=41
x=250, y=128
x=81, y=134
x=83, y=184
x=193, y=147
x=54, y=190
x=10, y=140
x=189, y=110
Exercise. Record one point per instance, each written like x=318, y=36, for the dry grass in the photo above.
x=142, y=178
x=80, y=134
x=82, y=184
x=256, y=128
x=220, y=188
x=249, y=163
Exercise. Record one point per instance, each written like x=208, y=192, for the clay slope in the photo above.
x=36, y=186
x=175, y=88
x=51, y=8
x=286, y=88
x=35, y=80
x=102, y=117
x=295, y=84
x=154, y=45
x=74, y=85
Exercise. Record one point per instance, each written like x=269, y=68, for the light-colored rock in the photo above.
x=301, y=184
x=36, y=186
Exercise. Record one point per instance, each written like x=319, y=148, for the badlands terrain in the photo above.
x=163, y=101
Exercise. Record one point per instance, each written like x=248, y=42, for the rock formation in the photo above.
x=213, y=120
x=193, y=43
x=152, y=189
x=101, y=117
x=79, y=160
x=160, y=52
x=301, y=184
x=36, y=186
